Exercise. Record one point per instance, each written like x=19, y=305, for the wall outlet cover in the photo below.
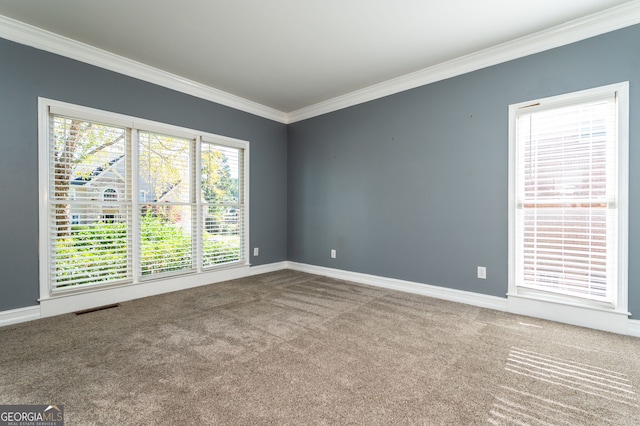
x=482, y=272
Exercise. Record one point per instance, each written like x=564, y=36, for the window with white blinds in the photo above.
x=221, y=192
x=567, y=198
x=166, y=219
x=89, y=202
x=125, y=204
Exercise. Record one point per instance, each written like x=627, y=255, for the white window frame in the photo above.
x=568, y=309
x=54, y=302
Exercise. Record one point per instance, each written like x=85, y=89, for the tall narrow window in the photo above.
x=166, y=219
x=222, y=188
x=88, y=168
x=568, y=189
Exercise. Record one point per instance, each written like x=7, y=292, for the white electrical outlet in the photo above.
x=482, y=272
x=333, y=254
x=256, y=251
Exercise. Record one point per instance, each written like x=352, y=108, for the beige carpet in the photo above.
x=293, y=348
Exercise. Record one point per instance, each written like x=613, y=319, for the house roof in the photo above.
x=95, y=173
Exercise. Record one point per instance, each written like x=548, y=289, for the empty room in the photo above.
x=319, y=212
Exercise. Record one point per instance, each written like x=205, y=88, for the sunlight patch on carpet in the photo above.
x=589, y=379
x=515, y=406
x=548, y=391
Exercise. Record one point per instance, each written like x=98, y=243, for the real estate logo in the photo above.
x=31, y=415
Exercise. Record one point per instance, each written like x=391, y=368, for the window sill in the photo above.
x=85, y=298
x=570, y=312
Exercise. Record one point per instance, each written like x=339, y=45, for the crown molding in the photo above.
x=29, y=35
x=592, y=25
x=570, y=32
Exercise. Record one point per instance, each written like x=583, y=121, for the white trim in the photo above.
x=570, y=32
x=141, y=124
x=15, y=316
x=29, y=35
x=269, y=267
x=91, y=298
x=615, y=322
x=602, y=319
x=50, y=304
x=452, y=295
x=246, y=240
x=44, y=250
x=62, y=304
x=599, y=319
x=198, y=216
x=633, y=328
x=623, y=195
x=134, y=152
x=524, y=302
x=608, y=20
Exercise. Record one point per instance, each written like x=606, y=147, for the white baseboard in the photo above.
x=617, y=323
x=452, y=295
x=271, y=267
x=599, y=319
x=76, y=301
x=15, y=316
x=72, y=302
x=633, y=328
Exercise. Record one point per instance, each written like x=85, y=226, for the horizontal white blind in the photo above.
x=121, y=204
x=222, y=189
x=166, y=217
x=89, y=226
x=566, y=199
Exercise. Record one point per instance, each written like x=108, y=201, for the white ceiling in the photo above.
x=290, y=54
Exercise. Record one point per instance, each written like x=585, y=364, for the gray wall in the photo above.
x=26, y=74
x=414, y=186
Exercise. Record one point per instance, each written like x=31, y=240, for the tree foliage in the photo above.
x=80, y=147
x=165, y=167
x=99, y=252
x=217, y=184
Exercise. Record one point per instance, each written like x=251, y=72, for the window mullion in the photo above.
x=197, y=205
x=135, y=207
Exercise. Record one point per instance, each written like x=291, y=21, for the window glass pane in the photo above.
x=93, y=251
x=88, y=158
x=565, y=151
x=566, y=196
x=222, y=235
x=165, y=168
x=221, y=187
x=166, y=244
x=165, y=177
x=565, y=250
x=219, y=175
x=90, y=231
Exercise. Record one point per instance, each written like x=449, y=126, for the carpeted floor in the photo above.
x=293, y=348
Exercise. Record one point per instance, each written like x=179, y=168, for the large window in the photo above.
x=568, y=192
x=127, y=200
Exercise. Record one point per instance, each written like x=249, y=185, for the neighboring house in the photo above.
x=104, y=187
x=103, y=184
